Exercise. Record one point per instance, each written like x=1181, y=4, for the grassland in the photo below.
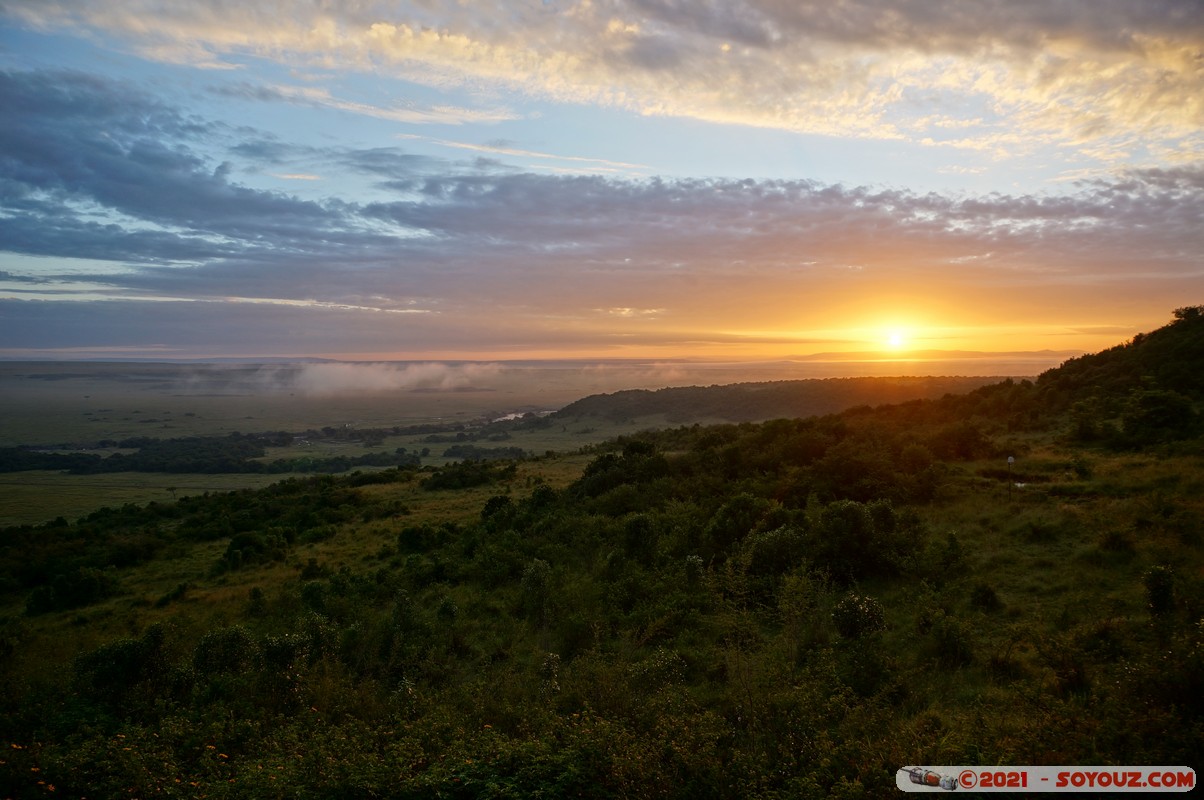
x=78, y=406
x=28, y=498
x=81, y=404
x=38, y=496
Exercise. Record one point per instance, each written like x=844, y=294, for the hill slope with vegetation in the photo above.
x=796, y=608
x=756, y=402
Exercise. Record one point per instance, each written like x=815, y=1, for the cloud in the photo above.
x=387, y=162
x=267, y=150
x=97, y=169
x=82, y=140
x=632, y=313
x=451, y=257
x=342, y=378
x=319, y=97
x=332, y=379
x=502, y=148
x=1094, y=75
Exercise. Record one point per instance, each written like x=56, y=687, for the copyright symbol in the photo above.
x=967, y=779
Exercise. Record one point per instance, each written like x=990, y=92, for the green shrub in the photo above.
x=984, y=597
x=225, y=650
x=775, y=552
x=860, y=540
x=858, y=615
x=80, y=587
x=1159, y=584
x=114, y=669
x=952, y=641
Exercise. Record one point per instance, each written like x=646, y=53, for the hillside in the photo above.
x=795, y=608
x=756, y=402
x=1169, y=358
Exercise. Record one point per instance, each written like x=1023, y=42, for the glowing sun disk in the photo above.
x=895, y=340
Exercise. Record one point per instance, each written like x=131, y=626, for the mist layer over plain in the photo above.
x=47, y=402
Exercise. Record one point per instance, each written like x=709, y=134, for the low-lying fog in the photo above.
x=79, y=401
x=575, y=378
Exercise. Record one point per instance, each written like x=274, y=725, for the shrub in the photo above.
x=257, y=604
x=952, y=641
x=225, y=650
x=858, y=615
x=447, y=610
x=498, y=511
x=775, y=552
x=639, y=538
x=80, y=587
x=1114, y=540
x=1154, y=415
x=174, y=595
x=983, y=596
x=1068, y=665
x=113, y=669
x=859, y=540
x=735, y=520
x=535, y=588
x=1159, y=590
x=313, y=596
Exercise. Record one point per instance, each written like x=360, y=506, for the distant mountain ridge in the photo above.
x=754, y=402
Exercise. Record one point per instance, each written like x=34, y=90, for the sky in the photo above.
x=691, y=179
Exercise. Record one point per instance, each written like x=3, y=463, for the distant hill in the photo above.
x=754, y=402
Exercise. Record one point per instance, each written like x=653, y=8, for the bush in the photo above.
x=1159, y=590
x=775, y=552
x=858, y=615
x=113, y=669
x=734, y=520
x=313, y=596
x=498, y=512
x=174, y=595
x=1154, y=415
x=983, y=596
x=952, y=641
x=639, y=538
x=80, y=587
x=535, y=587
x=226, y=650
x=860, y=540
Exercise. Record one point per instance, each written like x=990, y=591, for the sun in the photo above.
x=896, y=340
